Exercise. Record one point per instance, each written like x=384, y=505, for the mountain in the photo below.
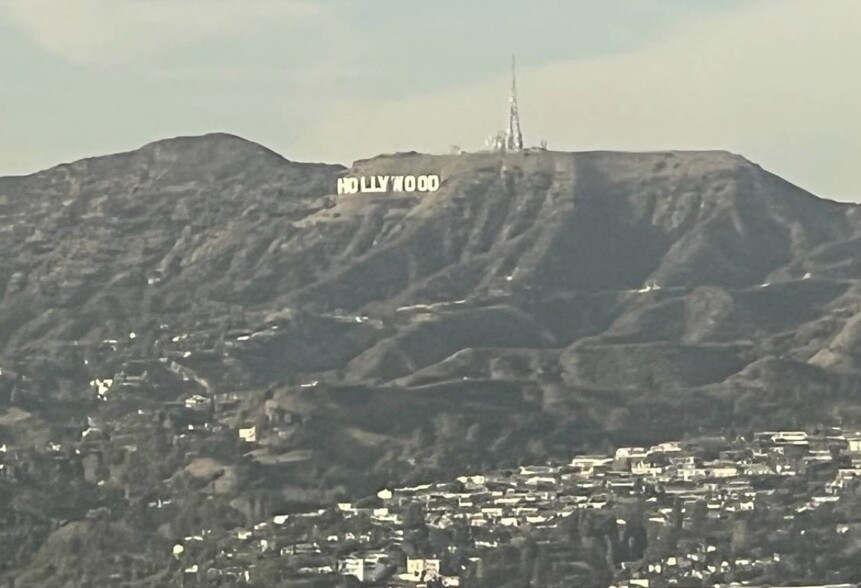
x=536, y=304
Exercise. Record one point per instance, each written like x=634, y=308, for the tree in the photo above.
x=439, y=540
x=414, y=516
x=739, y=540
x=528, y=555
x=539, y=571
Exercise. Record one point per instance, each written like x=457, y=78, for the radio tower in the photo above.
x=513, y=136
x=510, y=139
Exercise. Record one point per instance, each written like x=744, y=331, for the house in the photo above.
x=642, y=466
x=347, y=507
x=789, y=438
x=720, y=470
x=625, y=456
x=197, y=402
x=629, y=452
x=354, y=566
x=589, y=465
x=422, y=570
x=301, y=549
x=248, y=434
x=472, y=481
x=536, y=470
x=757, y=469
x=493, y=512
x=667, y=447
x=102, y=386
x=854, y=442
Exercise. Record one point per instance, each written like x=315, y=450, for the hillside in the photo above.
x=537, y=304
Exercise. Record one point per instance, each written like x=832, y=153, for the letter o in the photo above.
x=352, y=185
x=423, y=183
x=410, y=184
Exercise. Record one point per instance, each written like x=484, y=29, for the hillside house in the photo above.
x=421, y=570
x=248, y=434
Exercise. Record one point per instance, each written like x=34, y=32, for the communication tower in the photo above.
x=513, y=136
x=510, y=139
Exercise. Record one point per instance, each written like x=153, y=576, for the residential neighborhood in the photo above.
x=752, y=507
x=678, y=513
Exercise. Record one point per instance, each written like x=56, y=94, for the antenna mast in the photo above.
x=510, y=139
x=513, y=136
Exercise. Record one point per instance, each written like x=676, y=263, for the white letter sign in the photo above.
x=348, y=185
x=383, y=184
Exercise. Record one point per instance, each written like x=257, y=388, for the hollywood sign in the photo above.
x=377, y=184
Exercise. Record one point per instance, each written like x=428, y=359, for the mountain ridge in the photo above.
x=601, y=294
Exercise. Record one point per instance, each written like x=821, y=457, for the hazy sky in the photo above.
x=338, y=80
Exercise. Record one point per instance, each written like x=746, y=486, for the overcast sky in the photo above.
x=336, y=80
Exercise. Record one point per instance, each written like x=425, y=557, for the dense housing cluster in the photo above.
x=674, y=514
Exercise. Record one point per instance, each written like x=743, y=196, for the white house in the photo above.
x=354, y=566
x=422, y=570
x=248, y=434
x=197, y=401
